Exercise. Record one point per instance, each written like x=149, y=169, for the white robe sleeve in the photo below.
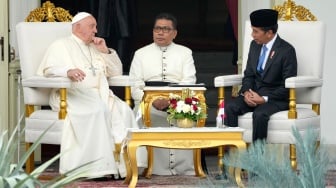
x=113, y=65
x=189, y=70
x=53, y=64
x=56, y=72
x=136, y=74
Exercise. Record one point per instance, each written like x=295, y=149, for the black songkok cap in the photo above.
x=264, y=18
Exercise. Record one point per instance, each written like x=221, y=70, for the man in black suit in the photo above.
x=270, y=61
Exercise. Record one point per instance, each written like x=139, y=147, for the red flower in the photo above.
x=173, y=101
x=195, y=99
x=173, y=105
x=188, y=100
x=195, y=108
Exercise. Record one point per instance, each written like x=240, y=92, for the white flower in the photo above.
x=186, y=108
x=192, y=111
x=179, y=106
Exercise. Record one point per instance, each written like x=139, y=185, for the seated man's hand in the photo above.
x=76, y=74
x=248, y=98
x=161, y=104
x=253, y=99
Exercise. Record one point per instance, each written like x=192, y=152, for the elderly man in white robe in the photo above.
x=164, y=61
x=96, y=118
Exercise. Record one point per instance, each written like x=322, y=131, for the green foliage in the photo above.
x=13, y=175
x=266, y=167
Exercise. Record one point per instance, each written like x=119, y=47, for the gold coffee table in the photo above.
x=179, y=138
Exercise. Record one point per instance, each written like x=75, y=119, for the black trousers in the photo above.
x=261, y=114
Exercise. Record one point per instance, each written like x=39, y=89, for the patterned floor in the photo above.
x=212, y=180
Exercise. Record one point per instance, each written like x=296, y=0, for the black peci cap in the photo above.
x=264, y=18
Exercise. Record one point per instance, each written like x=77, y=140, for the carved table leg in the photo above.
x=240, y=146
x=149, y=170
x=131, y=148
x=197, y=163
x=128, y=166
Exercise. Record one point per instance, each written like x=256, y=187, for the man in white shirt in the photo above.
x=164, y=61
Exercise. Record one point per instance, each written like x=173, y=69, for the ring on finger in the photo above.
x=76, y=74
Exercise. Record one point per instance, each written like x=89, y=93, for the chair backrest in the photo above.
x=308, y=39
x=33, y=40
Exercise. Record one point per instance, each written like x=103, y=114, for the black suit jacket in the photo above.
x=281, y=64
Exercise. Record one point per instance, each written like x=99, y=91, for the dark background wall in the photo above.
x=203, y=25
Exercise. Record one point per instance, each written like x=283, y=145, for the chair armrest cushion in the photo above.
x=123, y=80
x=228, y=80
x=45, y=82
x=303, y=82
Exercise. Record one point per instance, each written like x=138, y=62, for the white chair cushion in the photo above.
x=38, y=122
x=123, y=80
x=280, y=127
x=33, y=40
x=46, y=82
x=36, y=89
x=291, y=31
x=228, y=80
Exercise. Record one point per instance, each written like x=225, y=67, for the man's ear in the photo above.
x=175, y=34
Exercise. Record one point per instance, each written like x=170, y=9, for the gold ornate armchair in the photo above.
x=43, y=26
x=308, y=38
x=33, y=40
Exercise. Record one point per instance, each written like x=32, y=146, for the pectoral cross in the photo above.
x=93, y=69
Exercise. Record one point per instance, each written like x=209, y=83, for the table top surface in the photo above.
x=168, y=88
x=185, y=130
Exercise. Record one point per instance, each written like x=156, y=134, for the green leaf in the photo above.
x=13, y=175
x=260, y=159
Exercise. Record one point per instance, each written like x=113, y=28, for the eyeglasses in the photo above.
x=157, y=29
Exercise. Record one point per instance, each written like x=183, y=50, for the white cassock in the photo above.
x=173, y=63
x=96, y=118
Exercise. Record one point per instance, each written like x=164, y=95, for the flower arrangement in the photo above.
x=185, y=106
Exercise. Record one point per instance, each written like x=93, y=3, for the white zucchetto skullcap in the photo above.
x=79, y=16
